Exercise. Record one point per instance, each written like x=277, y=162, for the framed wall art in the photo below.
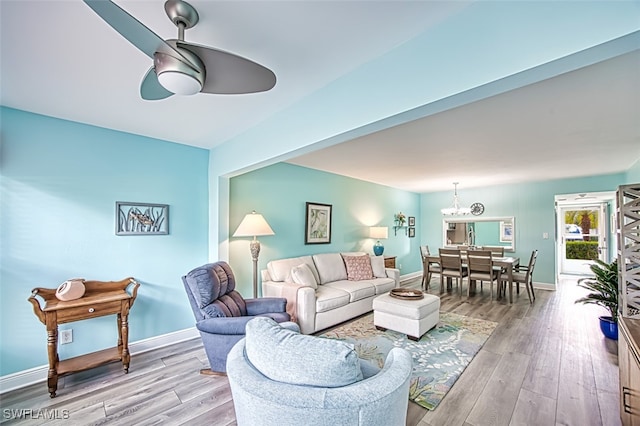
x=412, y=232
x=141, y=218
x=412, y=221
x=506, y=232
x=318, y=224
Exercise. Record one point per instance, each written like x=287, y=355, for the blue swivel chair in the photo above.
x=222, y=313
x=279, y=377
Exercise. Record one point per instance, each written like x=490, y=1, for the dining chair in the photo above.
x=524, y=275
x=496, y=251
x=428, y=268
x=451, y=267
x=481, y=268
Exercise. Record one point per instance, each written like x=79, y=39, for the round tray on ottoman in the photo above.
x=406, y=293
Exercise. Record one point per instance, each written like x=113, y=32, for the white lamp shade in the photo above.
x=253, y=225
x=379, y=232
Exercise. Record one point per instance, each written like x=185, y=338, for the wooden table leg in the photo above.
x=510, y=271
x=52, y=351
x=123, y=342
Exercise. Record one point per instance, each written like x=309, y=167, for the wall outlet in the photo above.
x=545, y=235
x=400, y=266
x=66, y=336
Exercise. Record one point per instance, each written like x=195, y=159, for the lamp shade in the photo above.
x=379, y=232
x=253, y=225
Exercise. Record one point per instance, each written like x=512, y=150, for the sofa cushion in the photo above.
x=302, y=275
x=356, y=289
x=286, y=356
x=358, y=267
x=377, y=267
x=328, y=298
x=280, y=270
x=383, y=285
x=330, y=267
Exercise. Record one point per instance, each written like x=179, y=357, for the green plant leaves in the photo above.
x=604, y=287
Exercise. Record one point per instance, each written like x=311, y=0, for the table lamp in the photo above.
x=254, y=225
x=378, y=232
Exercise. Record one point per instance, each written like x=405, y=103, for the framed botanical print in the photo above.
x=318, y=224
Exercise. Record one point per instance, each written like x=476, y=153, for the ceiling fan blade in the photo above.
x=227, y=73
x=151, y=89
x=132, y=29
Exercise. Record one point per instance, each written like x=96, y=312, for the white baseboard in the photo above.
x=544, y=286
x=39, y=374
x=410, y=276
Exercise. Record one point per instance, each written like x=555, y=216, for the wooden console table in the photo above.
x=390, y=261
x=100, y=298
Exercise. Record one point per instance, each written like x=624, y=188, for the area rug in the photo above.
x=439, y=357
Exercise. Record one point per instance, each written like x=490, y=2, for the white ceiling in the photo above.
x=58, y=58
x=582, y=123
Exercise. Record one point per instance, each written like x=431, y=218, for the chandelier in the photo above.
x=456, y=209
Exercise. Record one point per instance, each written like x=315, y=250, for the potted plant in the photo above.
x=604, y=287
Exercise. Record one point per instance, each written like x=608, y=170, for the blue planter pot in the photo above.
x=609, y=327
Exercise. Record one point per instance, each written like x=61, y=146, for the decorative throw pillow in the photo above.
x=358, y=267
x=377, y=266
x=302, y=275
x=289, y=357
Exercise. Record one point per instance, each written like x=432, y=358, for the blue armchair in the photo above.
x=222, y=313
x=279, y=377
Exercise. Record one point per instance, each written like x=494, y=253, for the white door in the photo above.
x=582, y=237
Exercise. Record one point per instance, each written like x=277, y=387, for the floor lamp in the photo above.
x=254, y=225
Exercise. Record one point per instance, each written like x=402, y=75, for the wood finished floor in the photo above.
x=545, y=364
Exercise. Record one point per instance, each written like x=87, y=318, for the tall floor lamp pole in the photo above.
x=254, y=246
x=254, y=225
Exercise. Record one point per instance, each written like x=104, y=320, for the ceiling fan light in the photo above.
x=179, y=83
x=178, y=76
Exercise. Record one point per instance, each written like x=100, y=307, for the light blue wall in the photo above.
x=59, y=184
x=280, y=192
x=532, y=205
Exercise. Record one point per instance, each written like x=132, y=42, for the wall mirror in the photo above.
x=475, y=231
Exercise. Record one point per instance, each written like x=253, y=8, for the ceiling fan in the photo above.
x=180, y=67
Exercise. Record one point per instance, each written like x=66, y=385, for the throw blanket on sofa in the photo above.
x=290, y=292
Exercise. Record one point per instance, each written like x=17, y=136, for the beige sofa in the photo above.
x=326, y=289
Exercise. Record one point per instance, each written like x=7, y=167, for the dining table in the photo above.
x=506, y=262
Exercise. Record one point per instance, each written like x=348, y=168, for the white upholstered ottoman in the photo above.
x=411, y=317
